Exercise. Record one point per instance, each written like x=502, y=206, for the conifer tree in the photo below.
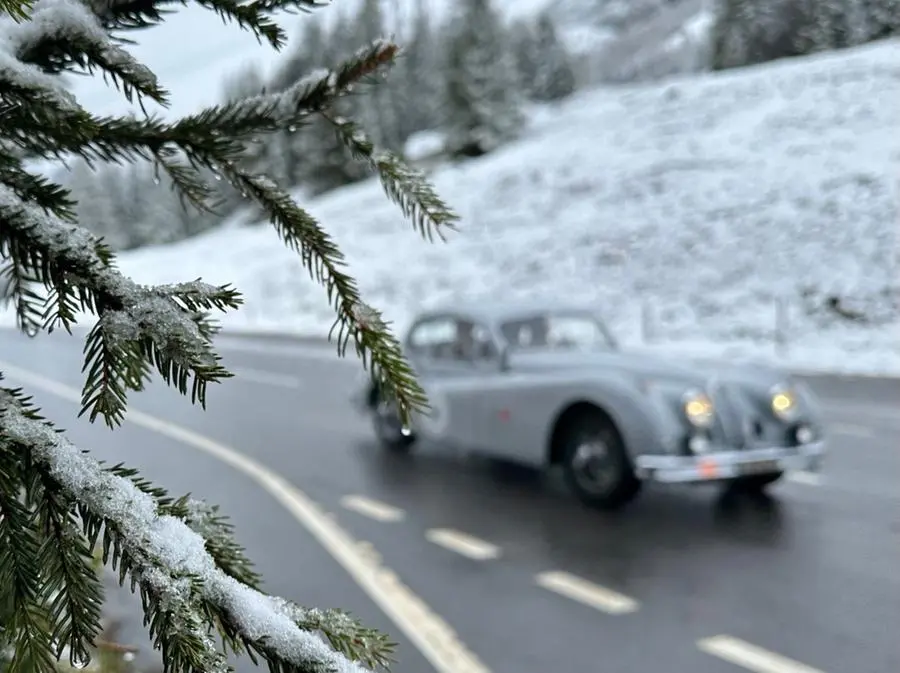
x=57, y=502
x=879, y=19
x=482, y=98
x=421, y=90
x=523, y=43
x=554, y=77
x=377, y=111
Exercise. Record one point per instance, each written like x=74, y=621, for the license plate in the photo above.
x=760, y=467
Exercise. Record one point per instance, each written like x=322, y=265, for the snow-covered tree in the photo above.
x=828, y=25
x=378, y=112
x=523, y=44
x=754, y=31
x=58, y=503
x=419, y=90
x=482, y=97
x=554, y=77
x=878, y=19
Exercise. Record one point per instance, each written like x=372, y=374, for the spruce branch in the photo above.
x=179, y=580
x=63, y=34
x=17, y=10
x=72, y=590
x=378, y=349
x=27, y=621
x=137, y=324
x=119, y=15
x=403, y=184
x=36, y=188
x=20, y=284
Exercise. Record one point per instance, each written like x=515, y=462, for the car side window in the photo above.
x=451, y=339
x=434, y=338
x=473, y=342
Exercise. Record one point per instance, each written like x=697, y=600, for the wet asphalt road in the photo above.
x=810, y=575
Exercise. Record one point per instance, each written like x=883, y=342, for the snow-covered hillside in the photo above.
x=705, y=199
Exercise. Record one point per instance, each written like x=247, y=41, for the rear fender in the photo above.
x=363, y=396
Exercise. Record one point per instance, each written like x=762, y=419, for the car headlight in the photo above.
x=698, y=409
x=783, y=402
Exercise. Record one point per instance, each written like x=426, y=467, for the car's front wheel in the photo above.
x=389, y=428
x=595, y=462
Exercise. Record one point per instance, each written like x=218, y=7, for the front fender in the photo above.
x=644, y=419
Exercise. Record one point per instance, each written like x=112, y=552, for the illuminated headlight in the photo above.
x=784, y=403
x=698, y=409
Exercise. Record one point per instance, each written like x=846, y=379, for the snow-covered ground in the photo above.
x=698, y=202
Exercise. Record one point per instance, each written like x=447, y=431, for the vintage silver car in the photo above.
x=549, y=386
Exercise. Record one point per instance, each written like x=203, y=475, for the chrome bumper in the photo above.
x=718, y=465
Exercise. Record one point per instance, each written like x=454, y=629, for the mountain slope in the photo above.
x=705, y=199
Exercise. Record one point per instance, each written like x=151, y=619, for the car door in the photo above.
x=449, y=375
x=517, y=403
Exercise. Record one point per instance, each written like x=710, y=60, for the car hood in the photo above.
x=683, y=371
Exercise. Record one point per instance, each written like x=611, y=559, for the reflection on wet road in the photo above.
x=687, y=580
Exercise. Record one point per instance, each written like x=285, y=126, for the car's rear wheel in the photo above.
x=757, y=483
x=389, y=429
x=595, y=461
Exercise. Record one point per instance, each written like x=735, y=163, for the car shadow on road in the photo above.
x=530, y=510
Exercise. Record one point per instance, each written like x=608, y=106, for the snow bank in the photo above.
x=698, y=203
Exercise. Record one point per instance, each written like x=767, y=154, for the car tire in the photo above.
x=757, y=483
x=595, y=462
x=388, y=427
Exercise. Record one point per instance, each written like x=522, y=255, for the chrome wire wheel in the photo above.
x=595, y=461
x=593, y=466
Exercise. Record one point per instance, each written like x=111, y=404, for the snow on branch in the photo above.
x=62, y=33
x=170, y=561
x=137, y=323
x=317, y=90
x=255, y=16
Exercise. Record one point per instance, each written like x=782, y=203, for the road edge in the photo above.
x=289, y=339
x=320, y=341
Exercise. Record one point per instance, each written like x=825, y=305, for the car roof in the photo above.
x=492, y=311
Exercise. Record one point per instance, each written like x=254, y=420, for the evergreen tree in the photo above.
x=421, y=91
x=322, y=159
x=748, y=31
x=286, y=151
x=96, y=205
x=523, y=43
x=878, y=19
x=554, y=77
x=377, y=111
x=58, y=504
x=829, y=26
x=482, y=98
x=755, y=31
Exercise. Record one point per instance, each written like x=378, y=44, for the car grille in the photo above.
x=742, y=422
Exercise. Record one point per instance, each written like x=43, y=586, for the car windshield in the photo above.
x=557, y=331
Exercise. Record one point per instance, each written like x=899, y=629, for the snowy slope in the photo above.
x=704, y=199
